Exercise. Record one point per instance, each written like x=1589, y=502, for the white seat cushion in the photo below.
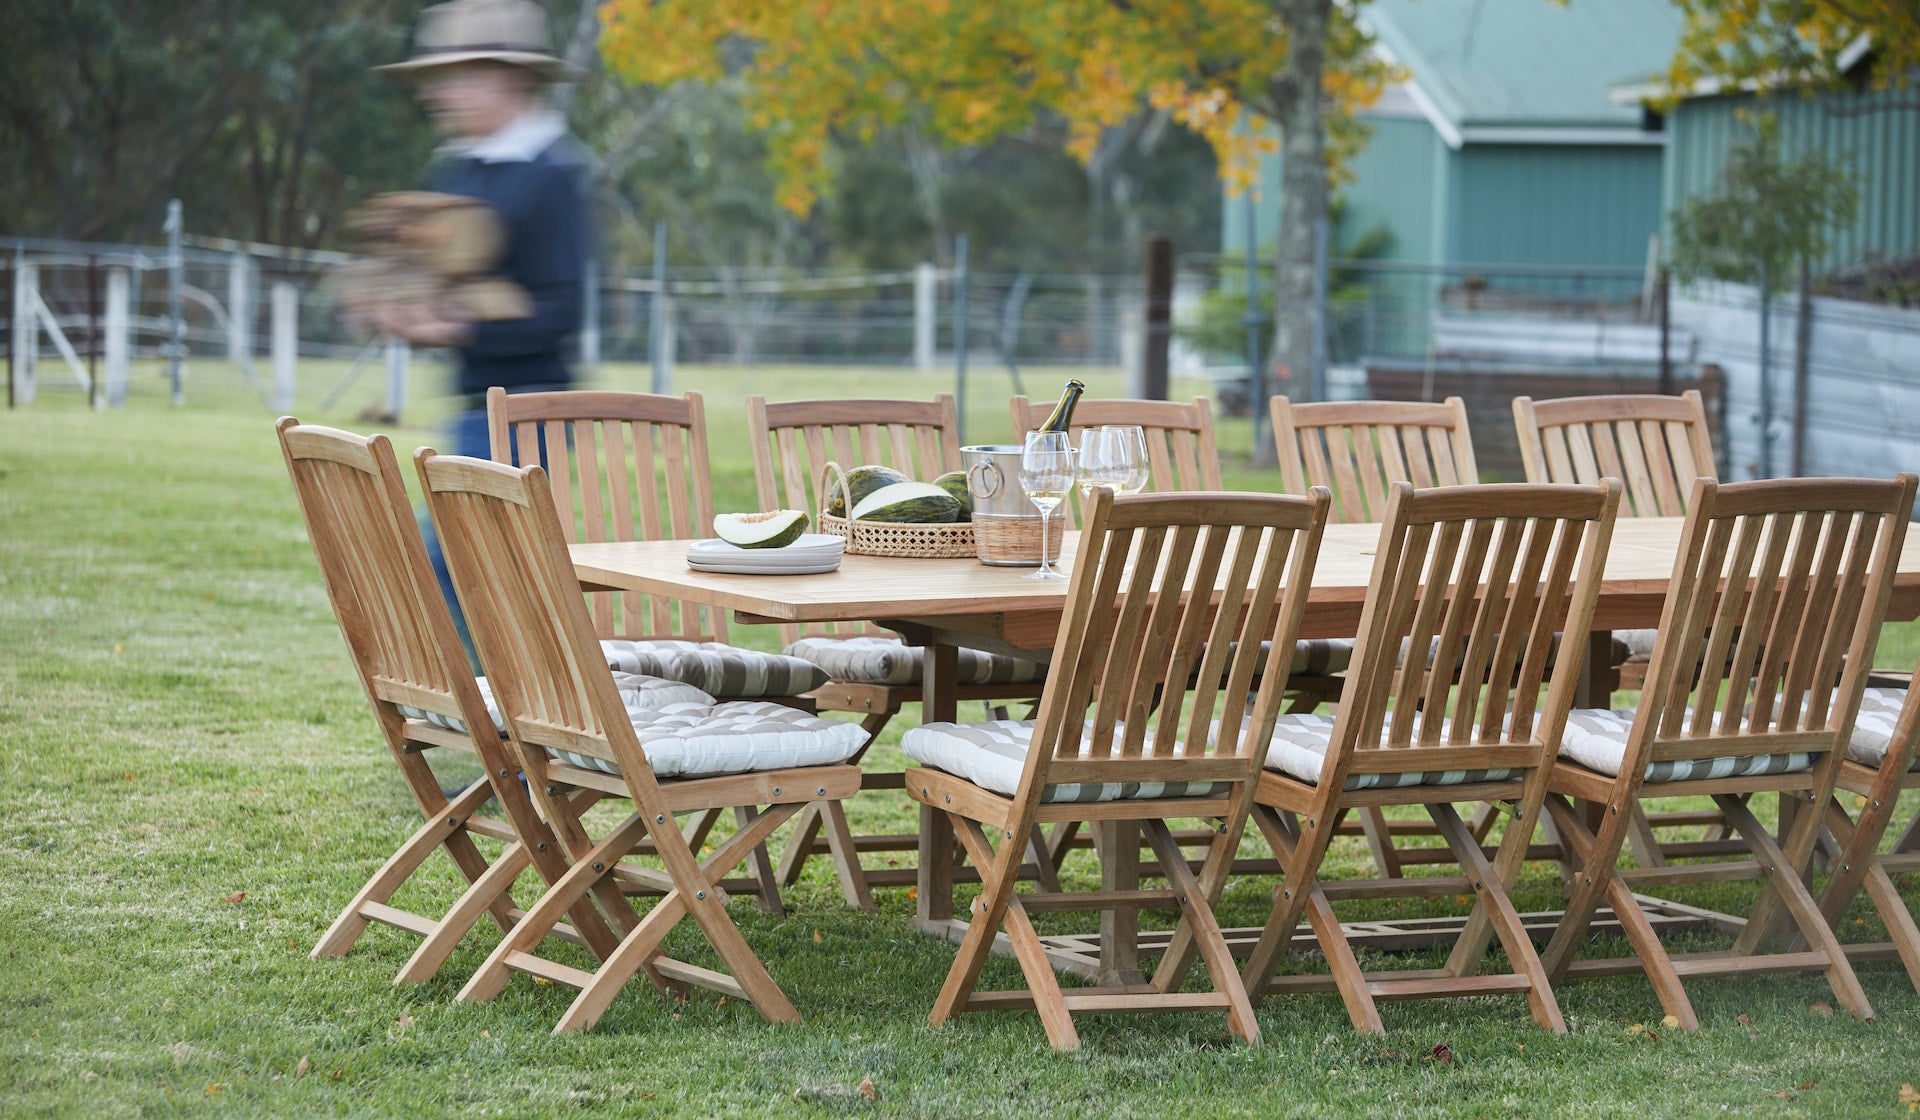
x=1299, y=749
x=702, y=740
x=871, y=659
x=1873, y=731
x=637, y=692
x=714, y=667
x=992, y=754
x=1597, y=739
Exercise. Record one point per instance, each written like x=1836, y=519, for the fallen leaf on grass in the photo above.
x=1440, y=1053
x=1637, y=1028
x=867, y=1090
x=817, y=939
x=1743, y=1019
x=337, y=1071
x=648, y=1096
x=543, y=980
x=301, y=1067
x=1671, y=1022
x=1784, y=1095
x=1821, y=1008
x=214, y=1088
x=237, y=897
x=406, y=1019
x=1909, y=1096
x=1804, y=1086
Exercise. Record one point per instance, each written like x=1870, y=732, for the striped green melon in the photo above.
x=861, y=481
x=955, y=483
x=918, y=503
x=777, y=529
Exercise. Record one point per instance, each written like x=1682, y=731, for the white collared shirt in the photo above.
x=520, y=140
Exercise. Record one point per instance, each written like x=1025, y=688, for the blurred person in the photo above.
x=480, y=69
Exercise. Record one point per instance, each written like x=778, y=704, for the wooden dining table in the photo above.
x=944, y=605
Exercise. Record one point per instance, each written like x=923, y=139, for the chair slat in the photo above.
x=1359, y=448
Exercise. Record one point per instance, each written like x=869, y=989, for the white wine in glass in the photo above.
x=1047, y=475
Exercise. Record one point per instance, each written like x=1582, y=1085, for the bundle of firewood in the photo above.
x=424, y=247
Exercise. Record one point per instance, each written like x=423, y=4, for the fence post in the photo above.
x=399, y=363
x=1317, y=376
x=1153, y=378
x=960, y=331
x=239, y=313
x=26, y=334
x=176, y=335
x=119, y=287
x=1666, y=332
x=286, y=343
x=590, y=318
x=6, y=270
x=926, y=281
x=662, y=326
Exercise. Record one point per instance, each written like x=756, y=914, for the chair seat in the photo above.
x=1873, y=730
x=705, y=740
x=714, y=667
x=890, y=661
x=638, y=692
x=1299, y=750
x=992, y=754
x=1597, y=739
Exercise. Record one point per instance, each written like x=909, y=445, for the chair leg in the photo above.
x=1785, y=883
x=1640, y=837
x=439, y=944
x=1373, y=824
x=1900, y=924
x=998, y=905
x=799, y=849
x=846, y=857
x=1499, y=911
x=1653, y=956
x=1301, y=869
x=763, y=875
x=1594, y=856
x=1197, y=912
x=1044, y=871
x=400, y=866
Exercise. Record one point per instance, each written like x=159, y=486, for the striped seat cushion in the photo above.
x=702, y=740
x=1299, y=749
x=637, y=692
x=715, y=667
x=992, y=754
x=1597, y=739
x=877, y=660
x=1873, y=730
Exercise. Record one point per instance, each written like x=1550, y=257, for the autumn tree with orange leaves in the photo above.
x=966, y=71
x=1782, y=43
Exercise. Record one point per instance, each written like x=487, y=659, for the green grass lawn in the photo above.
x=194, y=787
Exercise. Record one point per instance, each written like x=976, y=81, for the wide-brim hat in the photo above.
x=510, y=31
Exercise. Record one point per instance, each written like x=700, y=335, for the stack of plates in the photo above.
x=812, y=553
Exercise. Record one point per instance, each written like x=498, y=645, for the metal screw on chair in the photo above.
x=503, y=773
x=1846, y=867
x=776, y=791
x=659, y=818
x=700, y=895
x=1009, y=834
x=453, y=822
x=543, y=845
x=599, y=866
x=821, y=791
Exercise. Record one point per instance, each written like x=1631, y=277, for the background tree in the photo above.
x=1783, y=43
x=965, y=73
x=1767, y=217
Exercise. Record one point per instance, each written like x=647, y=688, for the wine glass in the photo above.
x=1114, y=456
x=1046, y=474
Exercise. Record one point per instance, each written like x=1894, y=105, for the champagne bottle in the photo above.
x=1063, y=412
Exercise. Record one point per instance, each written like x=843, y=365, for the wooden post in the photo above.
x=286, y=343
x=926, y=281
x=26, y=335
x=239, y=310
x=1666, y=332
x=119, y=288
x=1159, y=316
x=1802, y=346
x=399, y=357
x=95, y=396
x=6, y=270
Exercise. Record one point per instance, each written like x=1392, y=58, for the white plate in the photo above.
x=809, y=545
x=809, y=568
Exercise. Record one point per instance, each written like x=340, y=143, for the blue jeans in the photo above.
x=466, y=435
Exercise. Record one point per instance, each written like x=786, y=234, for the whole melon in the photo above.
x=862, y=481
x=955, y=483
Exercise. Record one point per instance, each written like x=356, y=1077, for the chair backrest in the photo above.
x=793, y=440
x=623, y=467
x=1180, y=450
x=1779, y=588
x=382, y=588
x=1656, y=445
x=505, y=545
x=1473, y=583
x=1359, y=449
x=1172, y=597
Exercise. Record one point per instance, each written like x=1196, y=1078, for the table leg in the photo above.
x=1119, y=848
x=1596, y=678
x=934, y=883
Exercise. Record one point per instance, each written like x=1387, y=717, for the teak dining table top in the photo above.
x=1001, y=606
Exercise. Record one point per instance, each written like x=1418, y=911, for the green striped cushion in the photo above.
x=1299, y=749
x=715, y=667
x=637, y=693
x=890, y=661
x=992, y=755
x=1597, y=739
x=1873, y=730
x=703, y=740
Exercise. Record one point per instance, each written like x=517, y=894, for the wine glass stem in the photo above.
x=1045, y=514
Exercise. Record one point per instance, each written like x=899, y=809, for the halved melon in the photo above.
x=761, y=530
x=913, y=502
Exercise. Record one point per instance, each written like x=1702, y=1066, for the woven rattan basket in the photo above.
x=1014, y=542
x=889, y=538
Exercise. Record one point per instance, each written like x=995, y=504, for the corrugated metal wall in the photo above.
x=1588, y=206
x=1870, y=134
x=1393, y=185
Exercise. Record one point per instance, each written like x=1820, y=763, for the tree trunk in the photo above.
x=1297, y=103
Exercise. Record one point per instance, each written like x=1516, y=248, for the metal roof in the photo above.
x=1526, y=64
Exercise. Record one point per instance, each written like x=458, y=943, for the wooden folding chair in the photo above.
x=1359, y=449
x=425, y=700
x=1883, y=759
x=1152, y=712
x=872, y=671
x=1657, y=446
x=1782, y=583
x=633, y=466
x=1484, y=576
x=507, y=552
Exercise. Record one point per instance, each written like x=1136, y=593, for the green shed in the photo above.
x=1503, y=147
